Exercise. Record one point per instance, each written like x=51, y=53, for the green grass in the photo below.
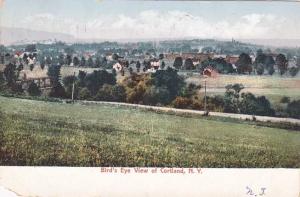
x=273, y=87
x=56, y=134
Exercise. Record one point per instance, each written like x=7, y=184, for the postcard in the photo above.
x=149, y=98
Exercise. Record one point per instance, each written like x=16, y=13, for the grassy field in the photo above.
x=57, y=134
x=273, y=87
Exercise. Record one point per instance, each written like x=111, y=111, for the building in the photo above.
x=232, y=59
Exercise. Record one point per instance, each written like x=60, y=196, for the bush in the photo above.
x=293, y=109
x=215, y=103
x=84, y=94
x=255, y=105
x=271, y=70
x=285, y=99
x=182, y=103
x=116, y=93
x=293, y=71
x=156, y=95
x=58, y=91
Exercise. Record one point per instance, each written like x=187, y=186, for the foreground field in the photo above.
x=56, y=134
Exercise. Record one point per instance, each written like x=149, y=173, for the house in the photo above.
x=155, y=64
x=210, y=72
x=118, y=66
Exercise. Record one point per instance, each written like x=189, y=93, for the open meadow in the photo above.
x=273, y=87
x=38, y=133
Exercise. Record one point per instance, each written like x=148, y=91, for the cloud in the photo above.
x=1, y=3
x=170, y=24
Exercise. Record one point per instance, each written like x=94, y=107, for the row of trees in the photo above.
x=263, y=63
x=163, y=88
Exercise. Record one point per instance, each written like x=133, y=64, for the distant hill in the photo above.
x=9, y=36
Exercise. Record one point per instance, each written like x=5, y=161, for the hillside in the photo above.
x=9, y=36
x=45, y=133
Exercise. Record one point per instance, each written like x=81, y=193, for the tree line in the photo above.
x=162, y=88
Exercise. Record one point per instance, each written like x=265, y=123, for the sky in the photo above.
x=112, y=19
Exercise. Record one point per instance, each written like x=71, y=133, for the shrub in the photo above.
x=84, y=94
x=182, y=103
x=58, y=91
x=255, y=105
x=285, y=99
x=116, y=93
x=294, y=71
x=156, y=95
x=293, y=109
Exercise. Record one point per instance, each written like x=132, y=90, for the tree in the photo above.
x=162, y=65
x=231, y=98
x=138, y=66
x=31, y=67
x=90, y=62
x=260, y=57
x=190, y=90
x=115, y=93
x=97, y=79
x=294, y=71
x=157, y=95
x=178, y=63
x=61, y=59
x=82, y=77
x=244, y=64
x=255, y=105
x=170, y=79
x=98, y=62
x=2, y=81
x=115, y=56
x=118, y=93
x=259, y=62
x=161, y=56
x=130, y=70
x=271, y=70
x=260, y=69
x=68, y=60
x=20, y=67
x=269, y=63
x=69, y=51
x=285, y=99
x=293, y=109
x=114, y=72
x=58, y=91
x=42, y=64
x=68, y=85
x=10, y=74
x=30, y=48
x=84, y=94
x=76, y=61
x=82, y=62
x=147, y=64
x=281, y=62
x=48, y=60
x=25, y=58
x=54, y=74
x=188, y=64
x=33, y=89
